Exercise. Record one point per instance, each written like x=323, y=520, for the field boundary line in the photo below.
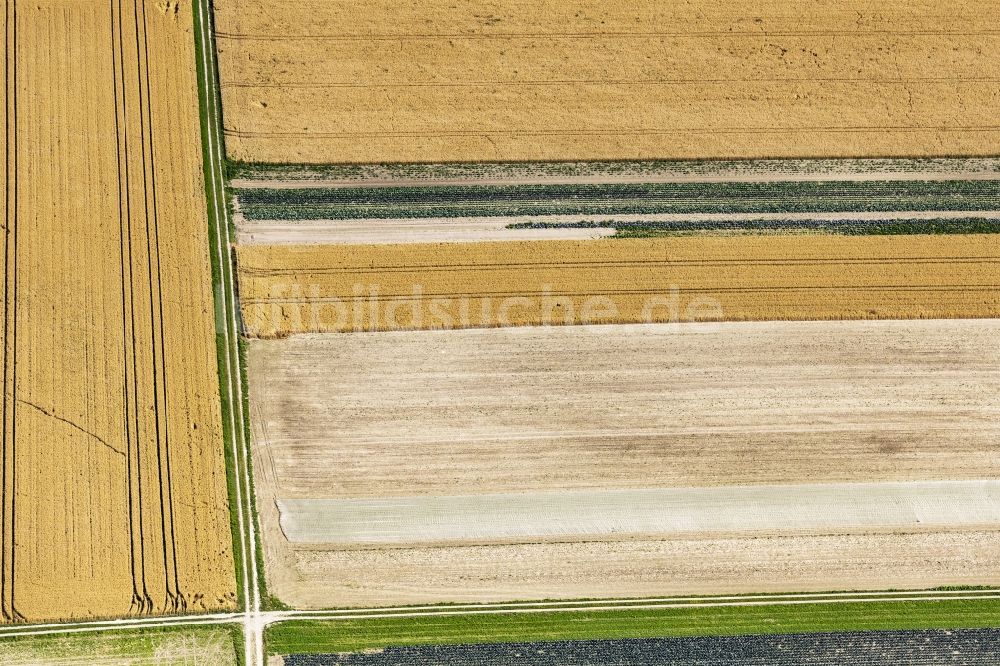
x=210, y=112
x=171, y=575
x=817, y=597
x=275, y=617
x=761, y=34
x=9, y=606
x=641, y=131
x=7, y=570
x=307, y=85
x=265, y=183
x=598, y=263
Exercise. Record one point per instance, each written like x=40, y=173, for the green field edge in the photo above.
x=221, y=347
x=461, y=170
x=221, y=231
x=127, y=632
x=138, y=643
x=239, y=641
x=678, y=598
x=637, y=199
x=353, y=635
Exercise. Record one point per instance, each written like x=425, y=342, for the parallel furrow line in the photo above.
x=580, y=265
x=167, y=537
x=128, y=345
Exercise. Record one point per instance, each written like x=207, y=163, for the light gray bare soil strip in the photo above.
x=805, y=508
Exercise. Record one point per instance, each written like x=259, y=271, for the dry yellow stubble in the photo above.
x=324, y=81
x=331, y=288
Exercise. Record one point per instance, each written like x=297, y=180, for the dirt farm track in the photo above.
x=114, y=491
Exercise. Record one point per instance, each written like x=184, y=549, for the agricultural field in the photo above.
x=297, y=212
x=256, y=174
x=114, y=483
x=578, y=300
x=613, y=200
x=385, y=232
x=321, y=81
x=330, y=288
x=602, y=461
x=968, y=647
x=187, y=646
x=962, y=625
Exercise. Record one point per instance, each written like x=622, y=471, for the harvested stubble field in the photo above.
x=382, y=81
x=441, y=415
x=471, y=201
x=294, y=289
x=247, y=175
x=114, y=495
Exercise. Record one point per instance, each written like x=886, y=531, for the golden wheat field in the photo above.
x=293, y=289
x=114, y=495
x=438, y=80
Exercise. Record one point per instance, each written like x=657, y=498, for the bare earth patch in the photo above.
x=610, y=514
x=388, y=232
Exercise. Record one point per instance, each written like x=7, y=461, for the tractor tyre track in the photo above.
x=7, y=579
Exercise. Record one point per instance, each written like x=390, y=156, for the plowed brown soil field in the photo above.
x=384, y=81
x=114, y=490
x=293, y=289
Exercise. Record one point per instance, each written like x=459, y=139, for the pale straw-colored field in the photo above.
x=516, y=463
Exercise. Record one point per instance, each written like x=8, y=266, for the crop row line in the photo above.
x=382, y=298
x=305, y=271
x=8, y=607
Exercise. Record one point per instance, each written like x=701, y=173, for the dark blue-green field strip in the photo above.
x=358, y=634
x=967, y=647
x=894, y=227
x=617, y=199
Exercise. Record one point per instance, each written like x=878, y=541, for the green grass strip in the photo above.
x=146, y=645
x=215, y=230
x=616, y=199
x=215, y=193
x=319, y=637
